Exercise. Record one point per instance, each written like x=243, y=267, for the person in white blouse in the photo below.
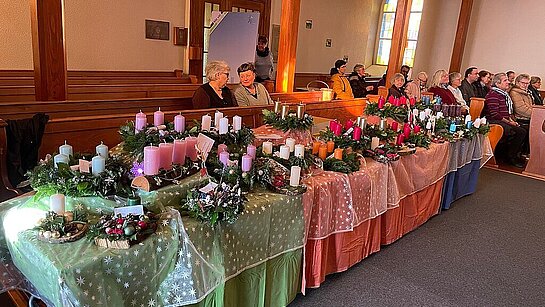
x=455, y=80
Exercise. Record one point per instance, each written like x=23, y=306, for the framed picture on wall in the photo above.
x=180, y=36
x=157, y=30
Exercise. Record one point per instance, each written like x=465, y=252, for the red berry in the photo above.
x=142, y=224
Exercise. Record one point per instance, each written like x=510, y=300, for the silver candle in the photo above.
x=300, y=110
x=285, y=109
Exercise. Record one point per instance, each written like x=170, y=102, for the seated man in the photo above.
x=471, y=75
x=498, y=109
x=360, y=88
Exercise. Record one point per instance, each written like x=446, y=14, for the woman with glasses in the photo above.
x=455, y=80
x=522, y=106
x=341, y=85
x=215, y=93
x=535, y=84
x=250, y=93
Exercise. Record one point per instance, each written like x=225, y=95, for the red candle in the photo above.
x=416, y=129
x=338, y=130
x=391, y=99
x=394, y=126
x=349, y=124
x=381, y=102
x=400, y=139
x=332, y=125
x=357, y=133
x=412, y=101
x=407, y=130
x=403, y=100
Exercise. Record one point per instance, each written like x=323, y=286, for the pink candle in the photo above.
x=191, y=150
x=250, y=150
x=391, y=100
x=357, y=133
x=224, y=157
x=332, y=125
x=381, y=102
x=349, y=124
x=395, y=126
x=178, y=156
x=221, y=148
x=158, y=118
x=407, y=130
x=152, y=160
x=397, y=102
x=416, y=129
x=402, y=101
x=140, y=122
x=166, y=150
x=179, y=123
x=412, y=101
x=246, y=163
x=400, y=139
x=338, y=130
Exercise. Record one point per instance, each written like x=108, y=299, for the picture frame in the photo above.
x=156, y=29
x=180, y=36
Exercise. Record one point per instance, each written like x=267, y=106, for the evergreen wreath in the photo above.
x=397, y=113
x=350, y=163
x=345, y=140
x=290, y=122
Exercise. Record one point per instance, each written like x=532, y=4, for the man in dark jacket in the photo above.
x=360, y=89
x=467, y=89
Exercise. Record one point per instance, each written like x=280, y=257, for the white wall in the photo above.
x=15, y=35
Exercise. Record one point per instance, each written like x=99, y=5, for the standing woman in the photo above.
x=263, y=60
x=482, y=84
x=439, y=87
x=250, y=93
x=215, y=93
x=341, y=85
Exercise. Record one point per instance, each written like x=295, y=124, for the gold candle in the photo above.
x=285, y=109
x=300, y=110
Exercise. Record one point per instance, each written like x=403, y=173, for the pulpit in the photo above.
x=536, y=165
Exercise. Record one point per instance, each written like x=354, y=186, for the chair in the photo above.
x=383, y=91
x=495, y=134
x=476, y=107
x=373, y=98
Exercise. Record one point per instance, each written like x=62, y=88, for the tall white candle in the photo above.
x=60, y=158
x=237, y=122
x=439, y=114
x=422, y=116
x=57, y=203
x=98, y=164
x=223, y=125
x=468, y=119
x=284, y=152
x=374, y=142
x=291, y=144
x=206, y=121
x=427, y=111
x=477, y=123
x=483, y=121
x=267, y=148
x=102, y=150
x=66, y=149
x=299, y=150
x=217, y=116
x=383, y=123
x=295, y=175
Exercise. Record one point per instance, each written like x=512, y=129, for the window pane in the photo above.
x=387, y=26
x=204, y=62
x=207, y=13
x=383, y=54
x=417, y=5
x=215, y=7
x=414, y=25
x=206, y=39
x=234, y=9
x=390, y=5
x=408, y=55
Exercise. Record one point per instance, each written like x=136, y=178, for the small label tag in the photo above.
x=204, y=145
x=84, y=166
x=208, y=188
x=134, y=210
x=74, y=167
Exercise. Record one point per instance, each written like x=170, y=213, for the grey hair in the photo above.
x=398, y=76
x=358, y=66
x=522, y=76
x=497, y=78
x=214, y=68
x=453, y=76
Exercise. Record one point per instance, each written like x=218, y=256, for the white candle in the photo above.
x=291, y=144
x=468, y=119
x=295, y=175
x=427, y=111
x=284, y=152
x=382, y=125
x=206, y=121
x=483, y=121
x=477, y=123
x=237, y=122
x=422, y=116
x=299, y=150
x=439, y=114
x=267, y=148
x=57, y=203
x=179, y=123
x=66, y=149
x=217, y=116
x=374, y=142
x=223, y=125
x=158, y=118
x=98, y=164
x=60, y=158
x=428, y=125
x=102, y=150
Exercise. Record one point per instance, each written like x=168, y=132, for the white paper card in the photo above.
x=208, y=188
x=204, y=145
x=134, y=210
x=84, y=166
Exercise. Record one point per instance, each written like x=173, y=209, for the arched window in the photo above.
x=387, y=27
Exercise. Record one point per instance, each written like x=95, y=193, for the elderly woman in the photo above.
x=535, y=84
x=341, y=85
x=215, y=93
x=360, y=88
x=522, y=100
x=250, y=93
x=482, y=85
x=398, y=80
x=455, y=80
x=439, y=87
x=263, y=60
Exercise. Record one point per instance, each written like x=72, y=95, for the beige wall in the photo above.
x=15, y=35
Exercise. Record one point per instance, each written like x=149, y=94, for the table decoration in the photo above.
x=397, y=113
x=62, y=228
x=121, y=232
x=349, y=162
x=289, y=122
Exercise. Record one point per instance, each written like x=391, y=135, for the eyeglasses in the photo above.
x=226, y=74
x=524, y=83
x=344, y=66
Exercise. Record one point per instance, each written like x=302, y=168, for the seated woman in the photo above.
x=482, y=85
x=535, y=84
x=250, y=93
x=341, y=85
x=360, y=88
x=215, y=93
x=396, y=90
x=455, y=80
x=522, y=106
x=439, y=87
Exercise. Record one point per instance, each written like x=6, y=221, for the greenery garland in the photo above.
x=397, y=113
x=420, y=139
x=290, y=122
x=350, y=163
x=345, y=140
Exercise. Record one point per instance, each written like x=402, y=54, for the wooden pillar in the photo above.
x=461, y=35
x=47, y=19
x=399, y=38
x=287, y=45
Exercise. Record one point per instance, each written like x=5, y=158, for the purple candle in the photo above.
x=166, y=151
x=357, y=133
x=158, y=118
x=140, y=122
x=152, y=160
x=250, y=150
x=221, y=148
x=179, y=123
x=246, y=163
x=178, y=156
x=224, y=157
x=191, y=150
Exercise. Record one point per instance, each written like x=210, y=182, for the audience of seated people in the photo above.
x=470, y=77
x=341, y=85
x=214, y=93
x=455, y=80
x=249, y=92
x=535, y=84
x=396, y=90
x=482, y=85
x=439, y=87
x=360, y=88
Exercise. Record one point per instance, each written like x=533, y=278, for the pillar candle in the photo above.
x=427, y=111
x=412, y=101
x=223, y=125
x=322, y=152
x=300, y=110
x=330, y=146
x=483, y=121
x=217, y=116
x=295, y=175
x=98, y=164
x=221, y=148
x=158, y=118
x=476, y=123
x=416, y=129
x=151, y=160
x=316, y=147
x=357, y=133
x=338, y=130
x=422, y=116
x=246, y=163
x=191, y=150
x=428, y=125
x=224, y=157
x=374, y=142
x=382, y=125
x=416, y=113
x=251, y=151
x=349, y=124
x=206, y=121
x=277, y=105
x=284, y=152
x=363, y=123
x=102, y=150
x=291, y=144
x=439, y=114
x=237, y=122
x=400, y=139
x=338, y=154
x=395, y=126
x=267, y=148
x=358, y=121
x=468, y=118
x=57, y=203
x=285, y=110
x=332, y=125
x=60, y=158
x=381, y=102
x=299, y=150
x=178, y=155
x=179, y=123
x=469, y=124
x=66, y=149
x=452, y=127
x=407, y=130
x=166, y=151
x=140, y=123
